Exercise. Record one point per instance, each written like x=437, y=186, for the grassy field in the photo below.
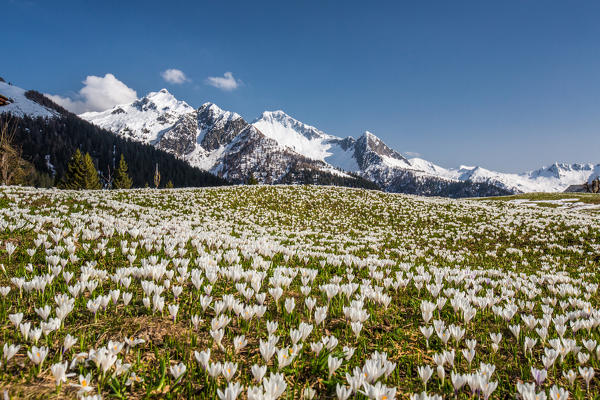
x=587, y=198
x=264, y=292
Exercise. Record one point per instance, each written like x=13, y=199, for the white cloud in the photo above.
x=173, y=75
x=97, y=94
x=227, y=82
x=412, y=154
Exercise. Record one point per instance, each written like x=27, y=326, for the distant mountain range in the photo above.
x=224, y=143
x=276, y=148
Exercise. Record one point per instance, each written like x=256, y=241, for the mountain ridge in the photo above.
x=276, y=147
x=366, y=155
x=47, y=136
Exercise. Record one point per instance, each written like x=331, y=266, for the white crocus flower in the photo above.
x=9, y=351
x=333, y=363
x=425, y=372
x=177, y=370
x=37, y=355
x=59, y=371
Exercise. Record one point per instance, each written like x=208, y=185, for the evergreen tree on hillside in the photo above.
x=49, y=143
x=156, y=177
x=74, y=176
x=252, y=180
x=90, y=175
x=122, y=179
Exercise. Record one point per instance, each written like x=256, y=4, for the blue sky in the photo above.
x=508, y=85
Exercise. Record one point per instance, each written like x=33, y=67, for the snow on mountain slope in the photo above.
x=209, y=138
x=312, y=143
x=144, y=120
x=555, y=178
x=224, y=143
x=341, y=155
x=431, y=168
x=217, y=127
x=201, y=137
x=287, y=131
x=372, y=158
x=21, y=106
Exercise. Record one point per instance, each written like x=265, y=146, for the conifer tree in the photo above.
x=122, y=179
x=91, y=180
x=156, y=177
x=74, y=176
x=252, y=180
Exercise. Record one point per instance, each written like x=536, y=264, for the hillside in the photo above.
x=297, y=291
x=48, y=135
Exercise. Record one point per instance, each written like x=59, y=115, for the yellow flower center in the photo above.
x=84, y=383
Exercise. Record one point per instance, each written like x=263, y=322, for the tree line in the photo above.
x=47, y=145
x=81, y=174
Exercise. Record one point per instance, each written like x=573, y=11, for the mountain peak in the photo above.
x=293, y=134
x=212, y=107
x=369, y=134
x=276, y=115
x=285, y=120
x=371, y=139
x=372, y=150
x=209, y=104
x=161, y=96
x=145, y=119
x=211, y=110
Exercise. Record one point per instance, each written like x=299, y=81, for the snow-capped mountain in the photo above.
x=19, y=105
x=209, y=138
x=144, y=120
x=348, y=154
x=276, y=146
x=554, y=178
x=370, y=157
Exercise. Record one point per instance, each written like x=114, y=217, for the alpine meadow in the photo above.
x=266, y=292
x=300, y=200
